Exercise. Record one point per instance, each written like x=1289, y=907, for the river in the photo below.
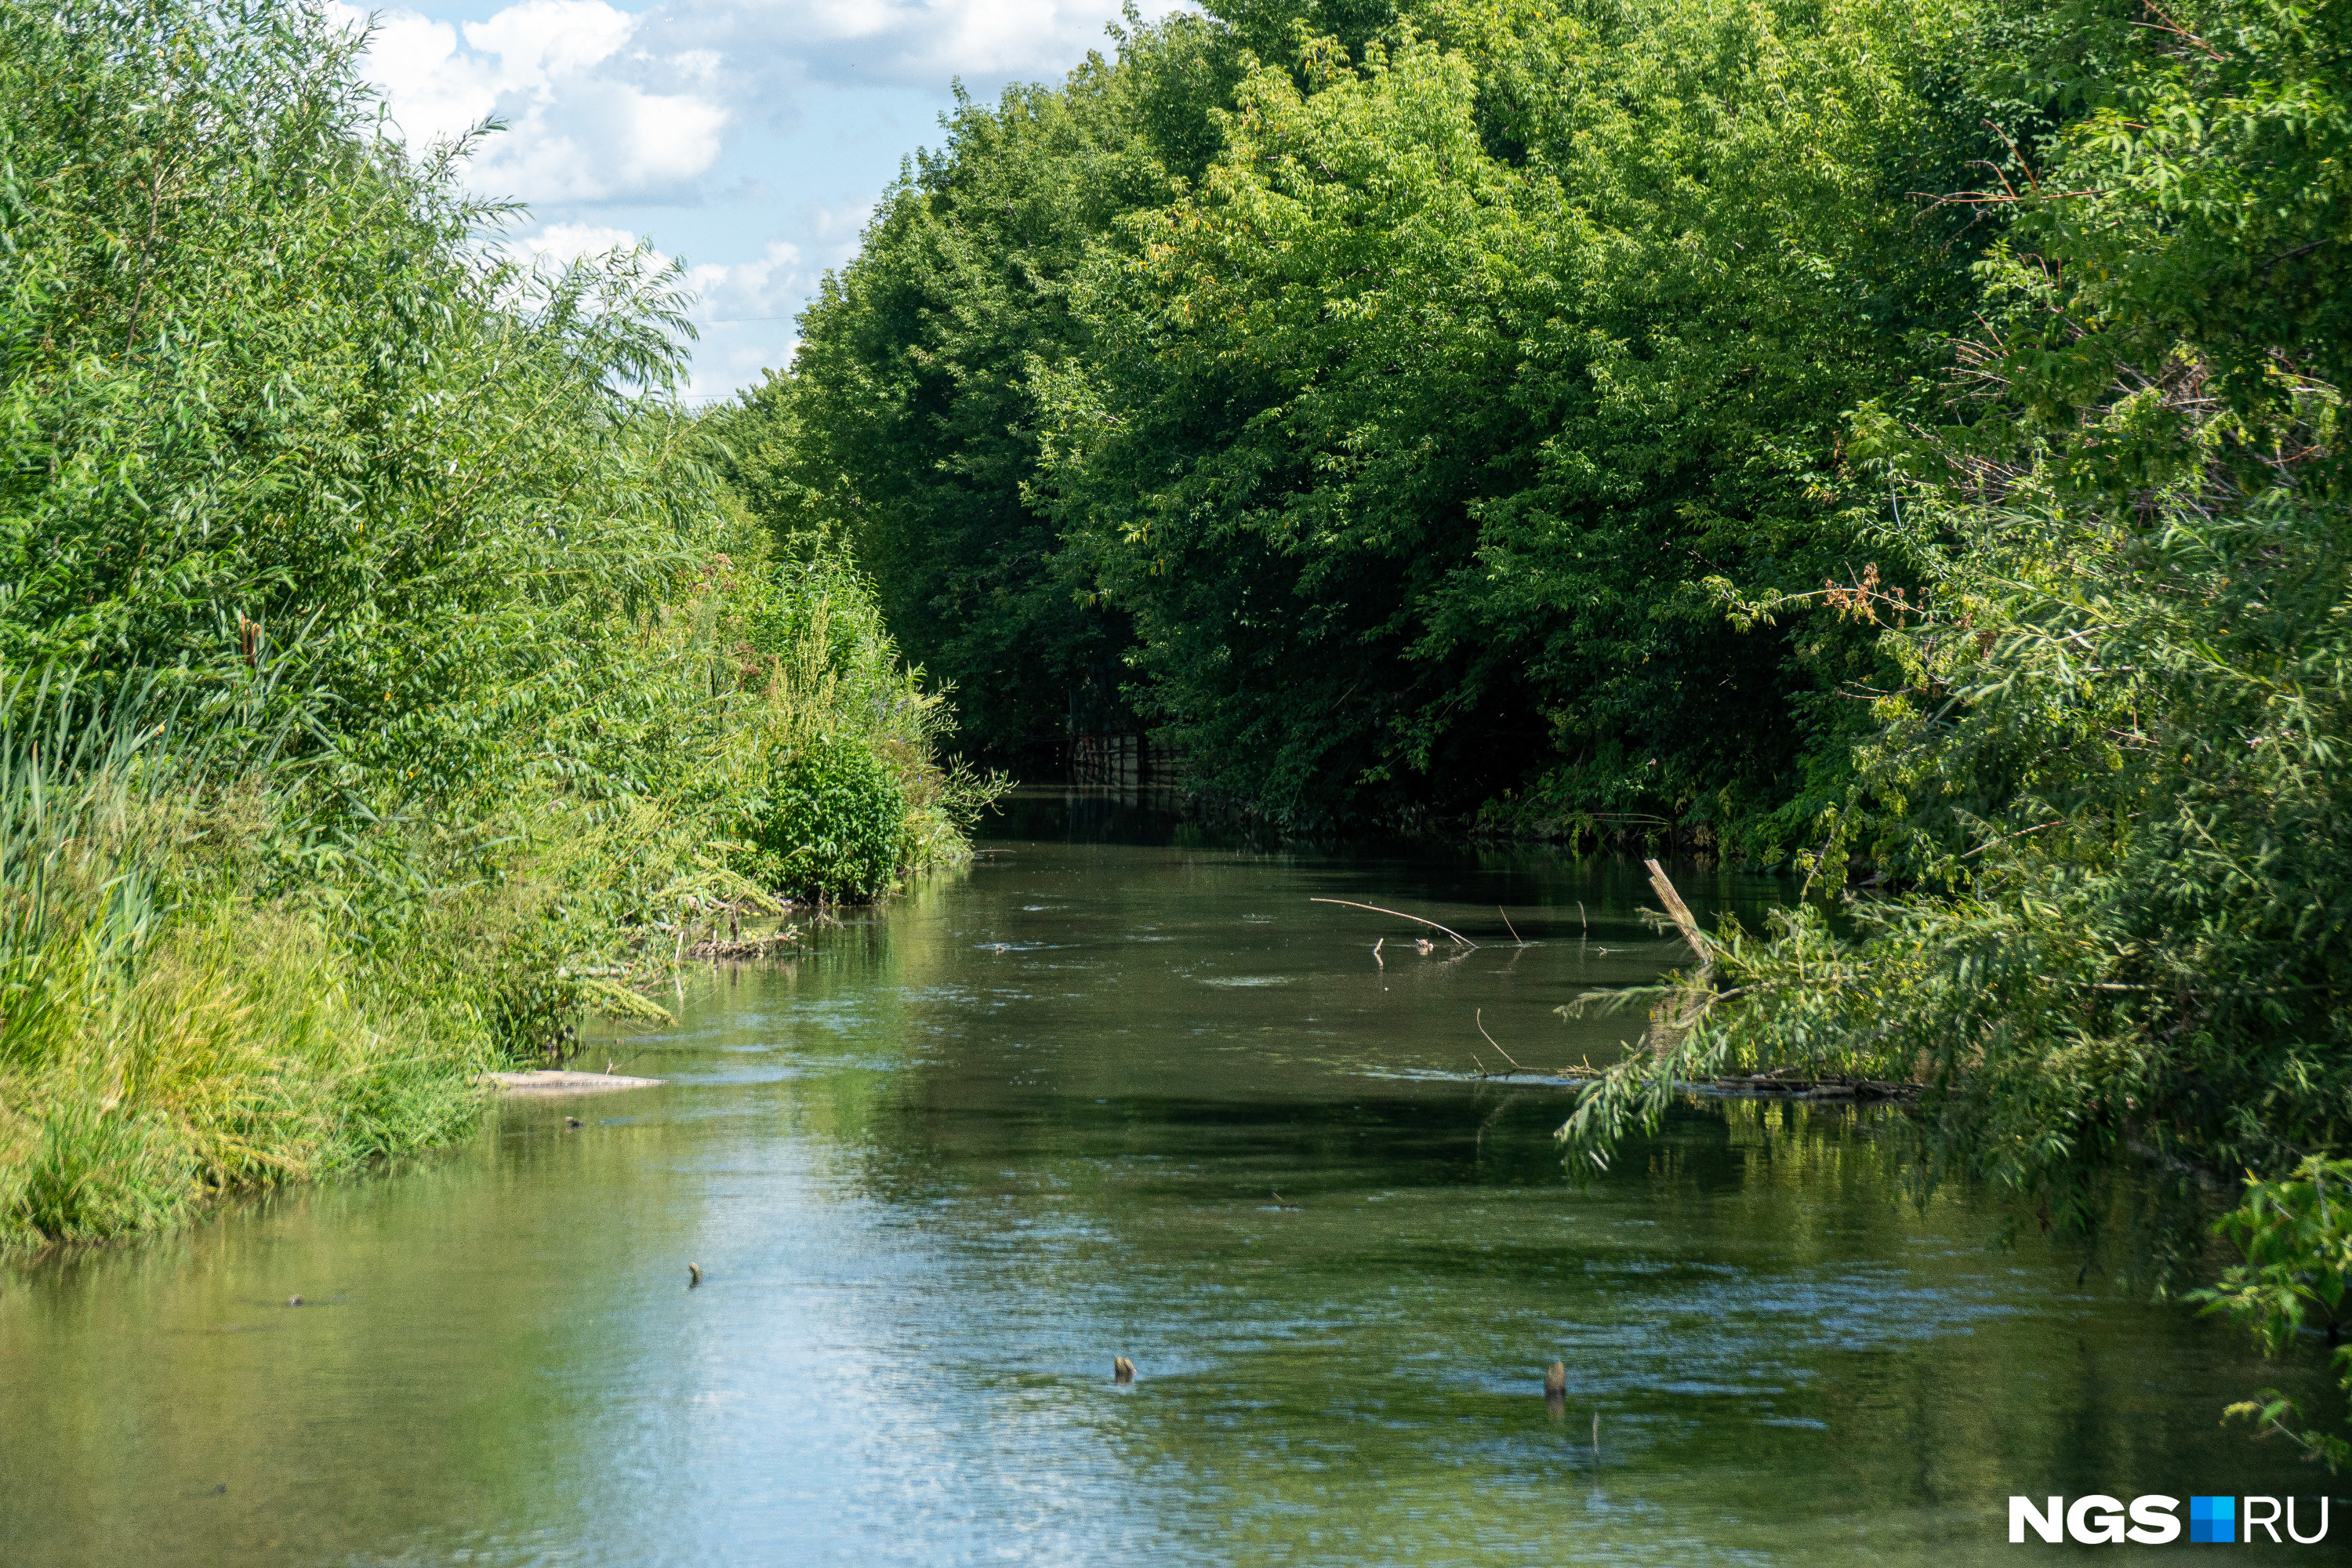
x=1113, y=1091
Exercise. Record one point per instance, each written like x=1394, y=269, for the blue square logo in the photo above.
x=2213, y=1519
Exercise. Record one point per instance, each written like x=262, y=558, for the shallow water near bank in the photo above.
x=1090, y=1098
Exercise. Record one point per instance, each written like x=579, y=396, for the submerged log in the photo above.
x=740, y=947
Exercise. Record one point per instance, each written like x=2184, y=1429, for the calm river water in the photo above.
x=1089, y=1098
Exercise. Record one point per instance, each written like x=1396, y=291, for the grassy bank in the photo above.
x=392, y=675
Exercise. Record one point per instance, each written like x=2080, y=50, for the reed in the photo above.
x=162, y=1037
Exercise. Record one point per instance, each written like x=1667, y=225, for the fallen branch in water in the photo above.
x=1769, y=1085
x=716, y=946
x=1400, y=914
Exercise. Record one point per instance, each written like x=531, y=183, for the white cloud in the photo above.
x=560, y=243
x=541, y=42
x=594, y=110
x=911, y=42
x=749, y=290
x=758, y=128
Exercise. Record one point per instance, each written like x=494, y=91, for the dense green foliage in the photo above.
x=1413, y=429
x=828, y=823
x=391, y=674
x=1893, y=437
x=1368, y=415
x=2115, y=759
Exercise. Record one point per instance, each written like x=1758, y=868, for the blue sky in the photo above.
x=748, y=138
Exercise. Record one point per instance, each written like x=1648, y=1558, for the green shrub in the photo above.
x=2297, y=1235
x=830, y=824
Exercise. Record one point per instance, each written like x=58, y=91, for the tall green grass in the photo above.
x=162, y=1037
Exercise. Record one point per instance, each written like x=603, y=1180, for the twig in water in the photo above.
x=1400, y=914
x=1581, y=923
x=1480, y=1018
x=1376, y=953
x=1509, y=927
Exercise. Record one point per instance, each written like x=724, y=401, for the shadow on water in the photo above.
x=1110, y=1092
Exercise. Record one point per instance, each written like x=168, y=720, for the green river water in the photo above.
x=1090, y=1098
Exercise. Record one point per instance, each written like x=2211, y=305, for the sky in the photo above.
x=748, y=139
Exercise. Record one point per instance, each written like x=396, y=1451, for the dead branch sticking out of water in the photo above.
x=1479, y=1017
x=1400, y=914
x=1682, y=1011
x=1678, y=911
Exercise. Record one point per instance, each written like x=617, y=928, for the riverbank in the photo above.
x=183, y=1028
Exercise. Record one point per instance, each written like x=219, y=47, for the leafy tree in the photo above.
x=916, y=424
x=1410, y=436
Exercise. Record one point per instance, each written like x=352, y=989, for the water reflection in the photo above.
x=1089, y=1099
